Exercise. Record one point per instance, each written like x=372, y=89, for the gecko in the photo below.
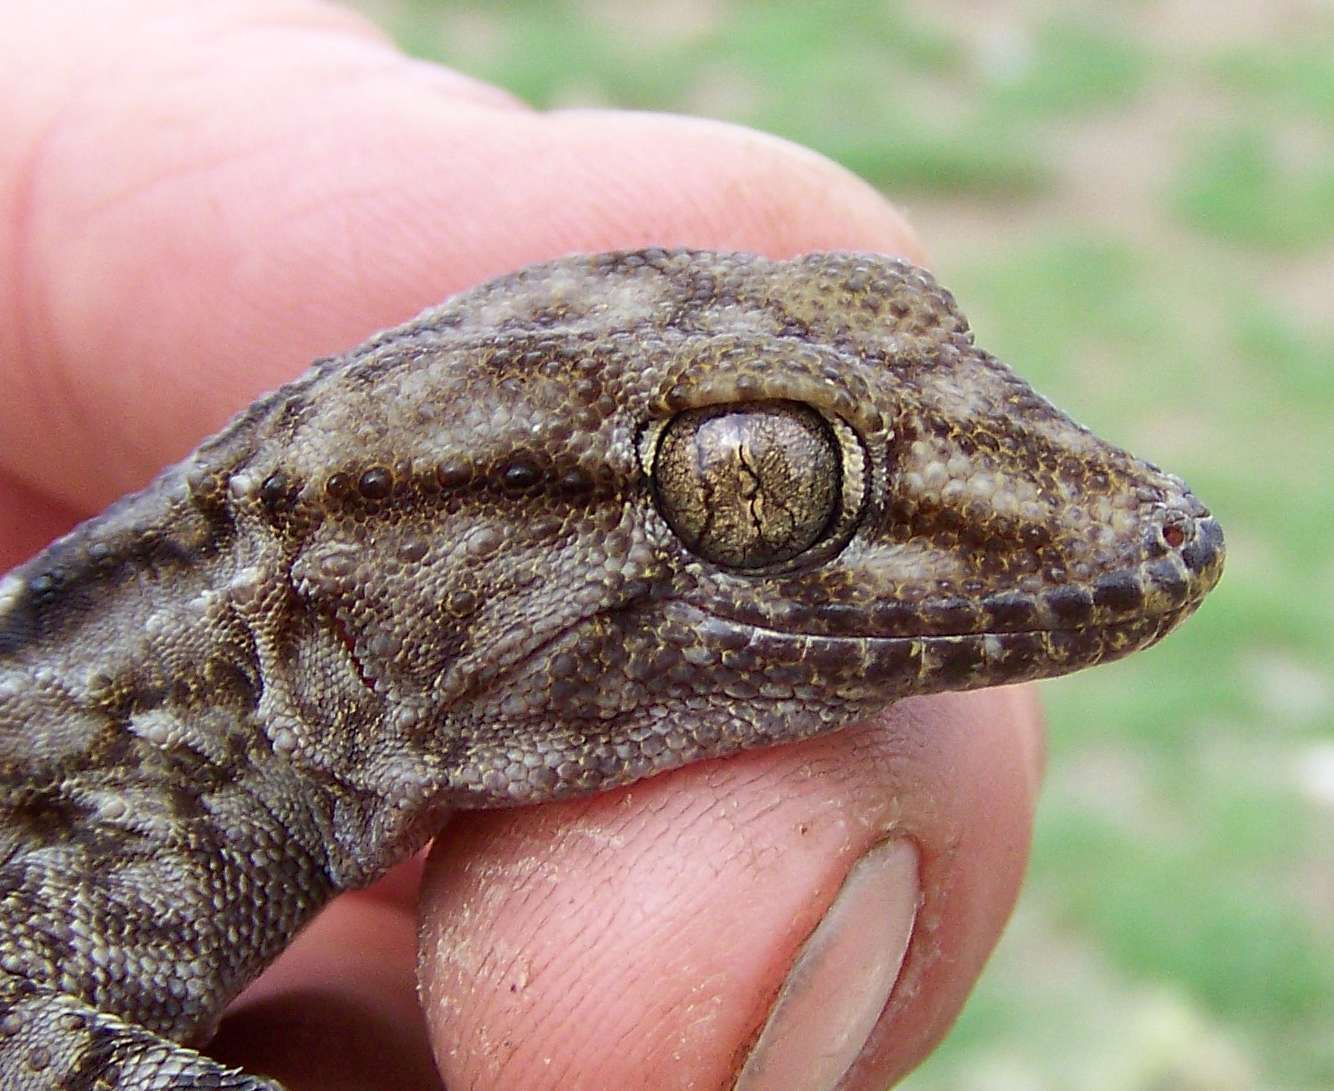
x=582, y=524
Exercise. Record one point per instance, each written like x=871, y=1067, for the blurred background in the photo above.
x=1134, y=201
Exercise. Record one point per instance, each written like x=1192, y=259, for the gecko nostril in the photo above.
x=1176, y=529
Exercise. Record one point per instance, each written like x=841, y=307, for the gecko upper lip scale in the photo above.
x=1169, y=583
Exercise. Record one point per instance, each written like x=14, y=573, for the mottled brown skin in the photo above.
x=585, y=523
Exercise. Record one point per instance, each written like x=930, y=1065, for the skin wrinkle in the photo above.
x=50, y=383
x=545, y=131
x=559, y=974
x=64, y=128
x=678, y=829
x=809, y=772
x=666, y=1016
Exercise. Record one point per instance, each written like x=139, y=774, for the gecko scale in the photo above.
x=587, y=522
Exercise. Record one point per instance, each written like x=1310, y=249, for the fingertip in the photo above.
x=668, y=180
x=656, y=925
x=338, y=1010
x=841, y=979
x=249, y=187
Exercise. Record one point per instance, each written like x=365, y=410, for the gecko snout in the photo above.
x=1185, y=552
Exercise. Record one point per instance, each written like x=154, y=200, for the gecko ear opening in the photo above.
x=753, y=485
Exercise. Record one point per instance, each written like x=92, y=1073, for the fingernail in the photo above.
x=841, y=978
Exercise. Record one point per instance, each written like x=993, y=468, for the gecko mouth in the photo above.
x=1172, y=616
x=894, y=666
x=878, y=652
x=887, y=649
x=1168, y=581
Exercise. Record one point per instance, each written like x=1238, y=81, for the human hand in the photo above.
x=198, y=200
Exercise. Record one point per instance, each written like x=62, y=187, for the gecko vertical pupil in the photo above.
x=748, y=485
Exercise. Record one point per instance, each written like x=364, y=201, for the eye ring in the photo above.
x=754, y=486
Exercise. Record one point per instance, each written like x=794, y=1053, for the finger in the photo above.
x=801, y=915
x=339, y=1010
x=29, y=519
x=232, y=190
x=312, y=186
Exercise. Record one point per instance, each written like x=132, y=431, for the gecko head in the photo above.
x=657, y=506
x=881, y=496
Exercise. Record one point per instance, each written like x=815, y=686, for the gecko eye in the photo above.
x=749, y=485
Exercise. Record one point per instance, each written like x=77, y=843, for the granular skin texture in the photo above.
x=588, y=522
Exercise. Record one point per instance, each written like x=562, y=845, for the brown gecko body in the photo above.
x=590, y=521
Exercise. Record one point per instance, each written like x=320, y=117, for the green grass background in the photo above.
x=1134, y=201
